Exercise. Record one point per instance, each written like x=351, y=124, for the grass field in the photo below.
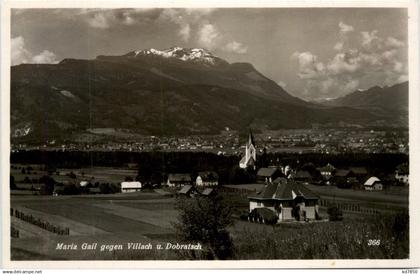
x=106, y=219
x=148, y=217
x=97, y=174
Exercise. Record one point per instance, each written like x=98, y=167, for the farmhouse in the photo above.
x=327, y=170
x=373, y=183
x=130, y=186
x=289, y=201
x=401, y=173
x=188, y=191
x=250, y=157
x=359, y=172
x=208, y=192
x=267, y=174
x=280, y=180
x=178, y=179
x=302, y=176
x=207, y=178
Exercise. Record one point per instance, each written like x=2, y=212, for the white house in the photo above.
x=288, y=201
x=130, y=186
x=373, y=183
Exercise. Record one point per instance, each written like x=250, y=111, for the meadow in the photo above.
x=148, y=217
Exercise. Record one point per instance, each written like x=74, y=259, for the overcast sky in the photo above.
x=313, y=53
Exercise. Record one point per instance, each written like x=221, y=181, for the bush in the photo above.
x=325, y=240
x=263, y=215
x=334, y=213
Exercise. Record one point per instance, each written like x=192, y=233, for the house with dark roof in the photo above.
x=342, y=173
x=401, y=173
x=208, y=192
x=207, y=178
x=188, y=191
x=302, y=176
x=178, y=179
x=359, y=171
x=327, y=171
x=280, y=180
x=289, y=201
x=341, y=176
x=267, y=174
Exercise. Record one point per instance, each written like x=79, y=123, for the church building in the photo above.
x=250, y=157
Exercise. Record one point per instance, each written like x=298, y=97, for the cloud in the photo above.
x=339, y=46
x=394, y=43
x=21, y=55
x=309, y=66
x=45, y=57
x=372, y=59
x=371, y=41
x=236, y=47
x=185, y=32
x=208, y=36
x=344, y=29
x=100, y=20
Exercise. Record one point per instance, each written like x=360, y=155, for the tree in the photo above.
x=205, y=220
x=12, y=182
x=240, y=176
x=49, y=183
x=105, y=188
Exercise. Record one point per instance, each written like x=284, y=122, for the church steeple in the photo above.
x=250, y=157
x=251, y=138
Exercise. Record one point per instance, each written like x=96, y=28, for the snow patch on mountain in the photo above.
x=183, y=54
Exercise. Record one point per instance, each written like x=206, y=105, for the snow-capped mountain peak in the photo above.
x=183, y=54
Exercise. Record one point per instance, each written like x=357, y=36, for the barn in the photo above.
x=179, y=179
x=373, y=183
x=401, y=173
x=188, y=191
x=267, y=174
x=130, y=186
x=289, y=201
x=207, y=178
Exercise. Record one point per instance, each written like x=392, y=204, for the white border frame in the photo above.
x=414, y=137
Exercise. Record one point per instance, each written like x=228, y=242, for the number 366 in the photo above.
x=374, y=242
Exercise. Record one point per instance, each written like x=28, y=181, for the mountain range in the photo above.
x=176, y=91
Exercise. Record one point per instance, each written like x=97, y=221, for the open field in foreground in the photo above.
x=148, y=217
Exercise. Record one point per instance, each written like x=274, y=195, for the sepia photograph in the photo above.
x=209, y=133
